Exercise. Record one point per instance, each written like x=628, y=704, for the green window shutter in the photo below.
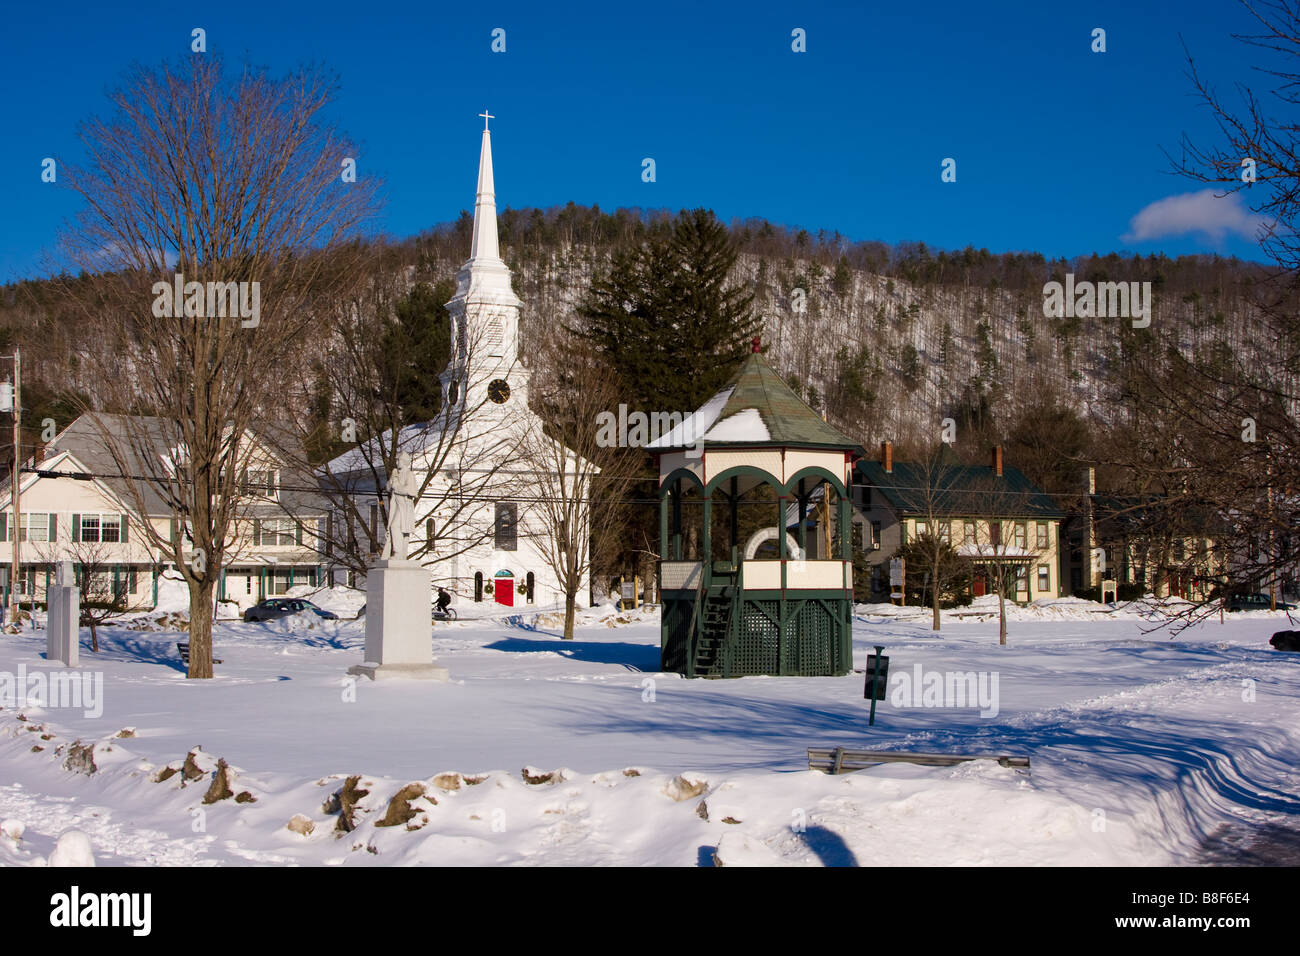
x=54, y=527
x=257, y=532
x=123, y=537
x=4, y=526
x=297, y=530
x=76, y=527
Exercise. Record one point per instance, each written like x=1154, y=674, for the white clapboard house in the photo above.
x=76, y=507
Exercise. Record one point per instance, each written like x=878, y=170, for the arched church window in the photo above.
x=507, y=534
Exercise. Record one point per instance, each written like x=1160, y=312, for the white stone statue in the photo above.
x=402, y=490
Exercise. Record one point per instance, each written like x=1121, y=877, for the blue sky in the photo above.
x=1057, y=148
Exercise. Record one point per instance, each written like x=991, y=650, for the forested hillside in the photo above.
x=889, y=341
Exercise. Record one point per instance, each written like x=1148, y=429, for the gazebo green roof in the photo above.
x=756, y=408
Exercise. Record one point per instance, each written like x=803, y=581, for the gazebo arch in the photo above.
x=763, y=535
x=816, y=471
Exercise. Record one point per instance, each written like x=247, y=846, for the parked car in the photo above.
x=1255, y=602
x=273, y=608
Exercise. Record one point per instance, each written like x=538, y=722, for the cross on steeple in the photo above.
x=486, y=116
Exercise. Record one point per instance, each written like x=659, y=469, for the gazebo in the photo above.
x=756, y=575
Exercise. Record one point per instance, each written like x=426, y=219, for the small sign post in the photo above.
x=877, y=679
x=897, y=577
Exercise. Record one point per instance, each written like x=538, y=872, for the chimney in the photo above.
x=997, y=460
x=887, y=456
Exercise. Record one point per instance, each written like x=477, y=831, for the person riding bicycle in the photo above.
x=444, y=600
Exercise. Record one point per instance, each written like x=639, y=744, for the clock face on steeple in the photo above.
x=499, y=391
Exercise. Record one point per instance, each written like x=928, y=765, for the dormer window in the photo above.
x=262, y=484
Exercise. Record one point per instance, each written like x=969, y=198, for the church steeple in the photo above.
x=484, y=245
x=485, y=309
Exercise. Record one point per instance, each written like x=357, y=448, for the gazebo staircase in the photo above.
x=714, y=627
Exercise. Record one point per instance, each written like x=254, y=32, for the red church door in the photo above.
x=503, y=589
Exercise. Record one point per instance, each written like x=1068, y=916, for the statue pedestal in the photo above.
x=399, y=628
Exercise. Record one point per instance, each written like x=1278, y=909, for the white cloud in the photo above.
x=1205, y=213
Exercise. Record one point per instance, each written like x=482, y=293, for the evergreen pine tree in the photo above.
x=666, y=317
x=416, y=341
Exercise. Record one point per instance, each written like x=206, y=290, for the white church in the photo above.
x=474, y=526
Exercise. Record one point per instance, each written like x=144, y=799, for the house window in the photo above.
x=1180, y=550
x=1022, y=578
x=945, y=531
x=276, y=532
x=969, y=532
x=1042, y=535
x=922, y=527
x=875, y=536
x=995, y=533
x=1021, y=536
x=36, y=526
x=105, y=528
x=507, y=538
x=264, y=484
x=1044, y=578
x=280, y=582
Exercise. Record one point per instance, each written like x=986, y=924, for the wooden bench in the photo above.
x=842, y=760
x=183, y=648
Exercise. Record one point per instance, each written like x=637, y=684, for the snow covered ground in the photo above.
x=1145, y=749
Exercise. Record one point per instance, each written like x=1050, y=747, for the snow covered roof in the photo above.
x=91, y=438
x=755, y=408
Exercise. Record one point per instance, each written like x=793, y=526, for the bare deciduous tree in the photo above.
x=104, y=584
x=581, y=481
x=217, y=225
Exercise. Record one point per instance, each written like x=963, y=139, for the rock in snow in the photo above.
x=73, y=849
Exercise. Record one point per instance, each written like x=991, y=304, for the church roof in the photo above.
x=756, y=408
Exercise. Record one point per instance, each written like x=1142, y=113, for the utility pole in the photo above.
x=1272, y=572
x=14, y=489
